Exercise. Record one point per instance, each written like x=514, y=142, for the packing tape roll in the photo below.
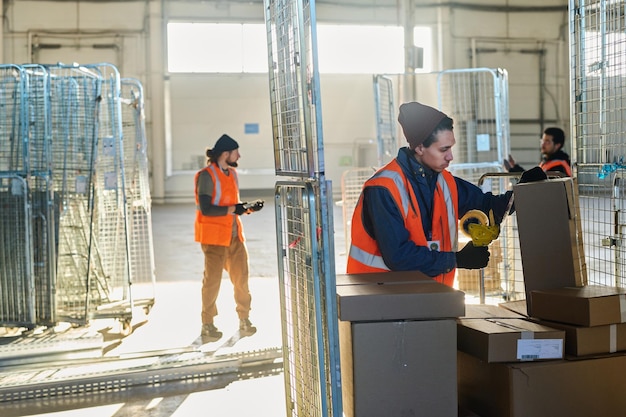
x=473, y=216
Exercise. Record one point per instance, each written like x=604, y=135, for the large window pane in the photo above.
x=342, y=49
x=349, y=49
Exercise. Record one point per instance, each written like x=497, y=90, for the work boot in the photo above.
x=246, y=328
x=210, y=332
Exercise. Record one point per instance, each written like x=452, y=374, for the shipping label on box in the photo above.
x=550, y=235
x=591, y=305
x=509, y=340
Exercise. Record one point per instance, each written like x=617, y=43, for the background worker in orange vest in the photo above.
x=553, y=158
x=219, y=231
x=406, y=218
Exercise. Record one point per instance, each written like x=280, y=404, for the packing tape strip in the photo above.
x=622, y=307
x=526, y=335
x=612, y=338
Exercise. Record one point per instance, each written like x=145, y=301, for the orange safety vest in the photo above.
x=550, y=165
x=364, y=253
x=218, y=230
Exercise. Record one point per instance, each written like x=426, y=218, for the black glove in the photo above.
x=240, y=209
x=532, y=175
x=257, y=205
x=472, y=257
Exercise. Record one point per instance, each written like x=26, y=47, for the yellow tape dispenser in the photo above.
x=481, y=229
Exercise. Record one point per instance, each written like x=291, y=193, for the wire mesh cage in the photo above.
x=352, y=181
x=477, y=100
x=65, y=224
x=307, y=276
x=75, y=104
x=138, y=201
x=40, y=191
x=598, y=103
x=385, y=107
x=17, y=301
x=13, y=121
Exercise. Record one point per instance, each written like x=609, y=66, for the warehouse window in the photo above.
x=344, y=49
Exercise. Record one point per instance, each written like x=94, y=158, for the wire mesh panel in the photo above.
x=75, y=101
x=41, y=192
x=298, y=149
x=477, y=100
x=385, y=119
x=598, y=65
x=13, y=124
x=292, y=88
x=352, y=182
x=17, y=305
x=138, y=202
x=303, y=298
x=111, y=228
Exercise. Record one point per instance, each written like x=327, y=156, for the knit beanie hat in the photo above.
x=224, y=144
x=418, y=122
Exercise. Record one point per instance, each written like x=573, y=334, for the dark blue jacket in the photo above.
x=384, y=222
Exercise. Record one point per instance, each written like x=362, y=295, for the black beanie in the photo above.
x=224, y=144
x=418, y=122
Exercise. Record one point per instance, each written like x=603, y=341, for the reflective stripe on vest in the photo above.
x=364, y=255
x=450, y=209
x=549, y=165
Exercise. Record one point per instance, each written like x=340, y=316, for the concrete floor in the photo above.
x=174, y=323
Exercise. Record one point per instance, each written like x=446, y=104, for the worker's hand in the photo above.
x=257, y=205
x=532, y=175
x=240, y=209
x=472, y=257
x=508, y=163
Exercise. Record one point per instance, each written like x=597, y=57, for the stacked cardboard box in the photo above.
x=557, y=296
x=593, y=317
x=397, y=336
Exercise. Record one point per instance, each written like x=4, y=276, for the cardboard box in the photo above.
x=397, y=369
x=592, y=305
x=550, y=235
x=509, y=340
x=578, y=388
x=596, y=340
x=486, y=311
x=383, y=298
x=517, y=306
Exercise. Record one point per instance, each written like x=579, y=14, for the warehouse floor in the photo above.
x=171, y=330
x=173, y=324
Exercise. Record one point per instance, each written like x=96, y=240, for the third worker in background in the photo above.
x=407, y=215
x=553, y=158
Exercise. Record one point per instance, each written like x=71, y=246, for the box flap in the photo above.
x=547, y=220
x=483, y=311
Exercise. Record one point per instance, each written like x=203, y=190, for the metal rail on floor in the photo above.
x=180, y=368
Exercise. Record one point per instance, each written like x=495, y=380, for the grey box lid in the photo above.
x=387, y=301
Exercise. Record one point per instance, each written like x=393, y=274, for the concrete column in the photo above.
x=155, y=77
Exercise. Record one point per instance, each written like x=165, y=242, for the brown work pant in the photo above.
x=233, y=259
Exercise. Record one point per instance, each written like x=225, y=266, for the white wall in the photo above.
x=187, y=113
